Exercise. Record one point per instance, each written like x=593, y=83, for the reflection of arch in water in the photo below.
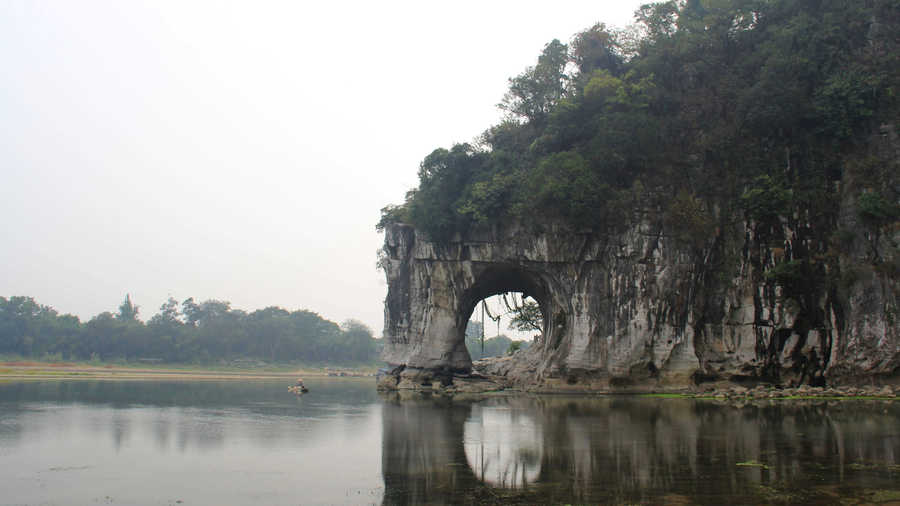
x=503, y=446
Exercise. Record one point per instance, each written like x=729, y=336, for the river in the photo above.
x=251, y=442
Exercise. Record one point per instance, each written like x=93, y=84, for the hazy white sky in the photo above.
x=238, y=150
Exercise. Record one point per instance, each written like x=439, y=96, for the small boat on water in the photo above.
x=298, y=388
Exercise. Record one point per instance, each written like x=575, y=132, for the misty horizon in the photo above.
x=240, y=153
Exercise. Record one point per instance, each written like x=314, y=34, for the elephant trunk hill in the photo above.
x=641, y=309
x=713, y=197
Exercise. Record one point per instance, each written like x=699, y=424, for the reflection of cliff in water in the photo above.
x=597, y=450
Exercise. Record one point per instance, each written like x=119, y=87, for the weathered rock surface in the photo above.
x=638, y=309
x=628, y=310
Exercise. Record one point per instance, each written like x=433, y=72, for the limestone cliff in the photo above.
x=791, y=303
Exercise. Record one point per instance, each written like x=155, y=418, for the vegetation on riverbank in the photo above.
x=208, y=333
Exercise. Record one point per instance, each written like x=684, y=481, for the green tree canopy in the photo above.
x=206, y=332
x=702, y=105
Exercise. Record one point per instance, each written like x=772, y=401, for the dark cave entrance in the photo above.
x=512, y=283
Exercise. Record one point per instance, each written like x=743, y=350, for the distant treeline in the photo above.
x=185, y=332
x=493, y=346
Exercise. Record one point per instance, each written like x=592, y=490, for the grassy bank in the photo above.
x=23, y=369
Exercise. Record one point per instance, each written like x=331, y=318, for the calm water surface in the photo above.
x=142, y=442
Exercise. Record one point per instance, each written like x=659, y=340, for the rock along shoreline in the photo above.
x=450, y=384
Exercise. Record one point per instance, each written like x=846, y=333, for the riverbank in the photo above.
x=481, y=382
x=33, y=370
x=763, y=392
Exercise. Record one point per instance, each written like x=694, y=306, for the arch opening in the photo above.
x=504, y=294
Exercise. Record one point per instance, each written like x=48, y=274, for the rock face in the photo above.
x=629, y=310
x=641, y=309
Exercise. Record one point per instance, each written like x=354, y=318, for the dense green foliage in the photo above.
x=203, y=332
x=704, y=110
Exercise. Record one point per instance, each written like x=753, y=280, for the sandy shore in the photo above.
x=67, y=371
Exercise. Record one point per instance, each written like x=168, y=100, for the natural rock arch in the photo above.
x=635, y=309
x=433, y=291
x=434, y=287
